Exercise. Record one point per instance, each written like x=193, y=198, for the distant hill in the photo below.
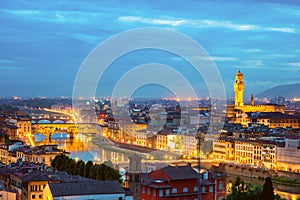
x=287, y=91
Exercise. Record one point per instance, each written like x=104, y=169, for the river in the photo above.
x=82, y=147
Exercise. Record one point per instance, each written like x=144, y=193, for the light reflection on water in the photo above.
x=81, y=147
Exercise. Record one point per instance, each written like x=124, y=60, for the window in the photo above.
x=161, y=192
x=143, y=189
x=220, y=185
x=185, y=189
x=174, y=190
x=148, y=191
x=40, y=196
x=203, y=189
x=167, y=192
x=211, y=188
x=154, y=192
x=195, y=189
x=33, y=196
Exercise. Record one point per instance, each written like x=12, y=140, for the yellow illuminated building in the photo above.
x=162, y=141
x=248, y=152
x=190, y=144
x=239, y=101
x=24, y=127
x=33, y=190
x=224, y=149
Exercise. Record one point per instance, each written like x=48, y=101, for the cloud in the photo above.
x=55, y=16
x=202, y=23
x=253, y=50
x=294, y=64
x=217, y=58
x=253, y=64
x=153, y=21
x=284, y=30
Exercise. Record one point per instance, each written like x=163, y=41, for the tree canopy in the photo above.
x=88, y=169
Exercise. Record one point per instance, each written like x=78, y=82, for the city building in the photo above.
x=269, y=119
x=100, y=190
x=40, y=154
x=288, y=157
x=181, y=182
x=248, y=152
x=24, y=126
x=146, y=138
x=8, y=152
x=190, y=144
x=162, y=140
x=6, y=194
x=224, y=148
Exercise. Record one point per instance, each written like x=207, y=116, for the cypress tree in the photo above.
x=87, y=169
x=268, y=190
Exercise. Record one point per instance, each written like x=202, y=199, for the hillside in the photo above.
x=287, y=91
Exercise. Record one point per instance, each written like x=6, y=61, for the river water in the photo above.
x=82, y=147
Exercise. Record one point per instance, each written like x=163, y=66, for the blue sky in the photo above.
x=43, y=43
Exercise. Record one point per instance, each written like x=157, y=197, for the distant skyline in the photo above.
x=43, y=43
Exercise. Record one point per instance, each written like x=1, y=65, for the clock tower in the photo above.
x=238, y=89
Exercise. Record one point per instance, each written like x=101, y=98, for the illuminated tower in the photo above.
x=238, y=89
x=252, y=100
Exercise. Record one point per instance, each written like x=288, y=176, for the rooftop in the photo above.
x=85, y=188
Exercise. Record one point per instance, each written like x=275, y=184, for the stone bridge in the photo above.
x=52, y=118
x=70, y=128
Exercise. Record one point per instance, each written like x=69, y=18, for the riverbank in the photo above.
x=111, y=146
x=284, y=190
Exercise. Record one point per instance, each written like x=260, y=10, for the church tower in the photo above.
x=238, y=89
x=252, y=100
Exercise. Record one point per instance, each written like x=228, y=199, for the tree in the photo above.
x=268, y=190
x=93, y=171
x=81, y=165
x=72, y=167
x=87, y=169
x=240, y=190
x=254, y=192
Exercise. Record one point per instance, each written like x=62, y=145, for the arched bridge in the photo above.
x=51, y=118
x=70, y=128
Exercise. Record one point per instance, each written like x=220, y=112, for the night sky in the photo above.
x=43, y=43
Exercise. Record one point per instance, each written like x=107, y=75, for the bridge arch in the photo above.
x=58, y=121
x=44, y=121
